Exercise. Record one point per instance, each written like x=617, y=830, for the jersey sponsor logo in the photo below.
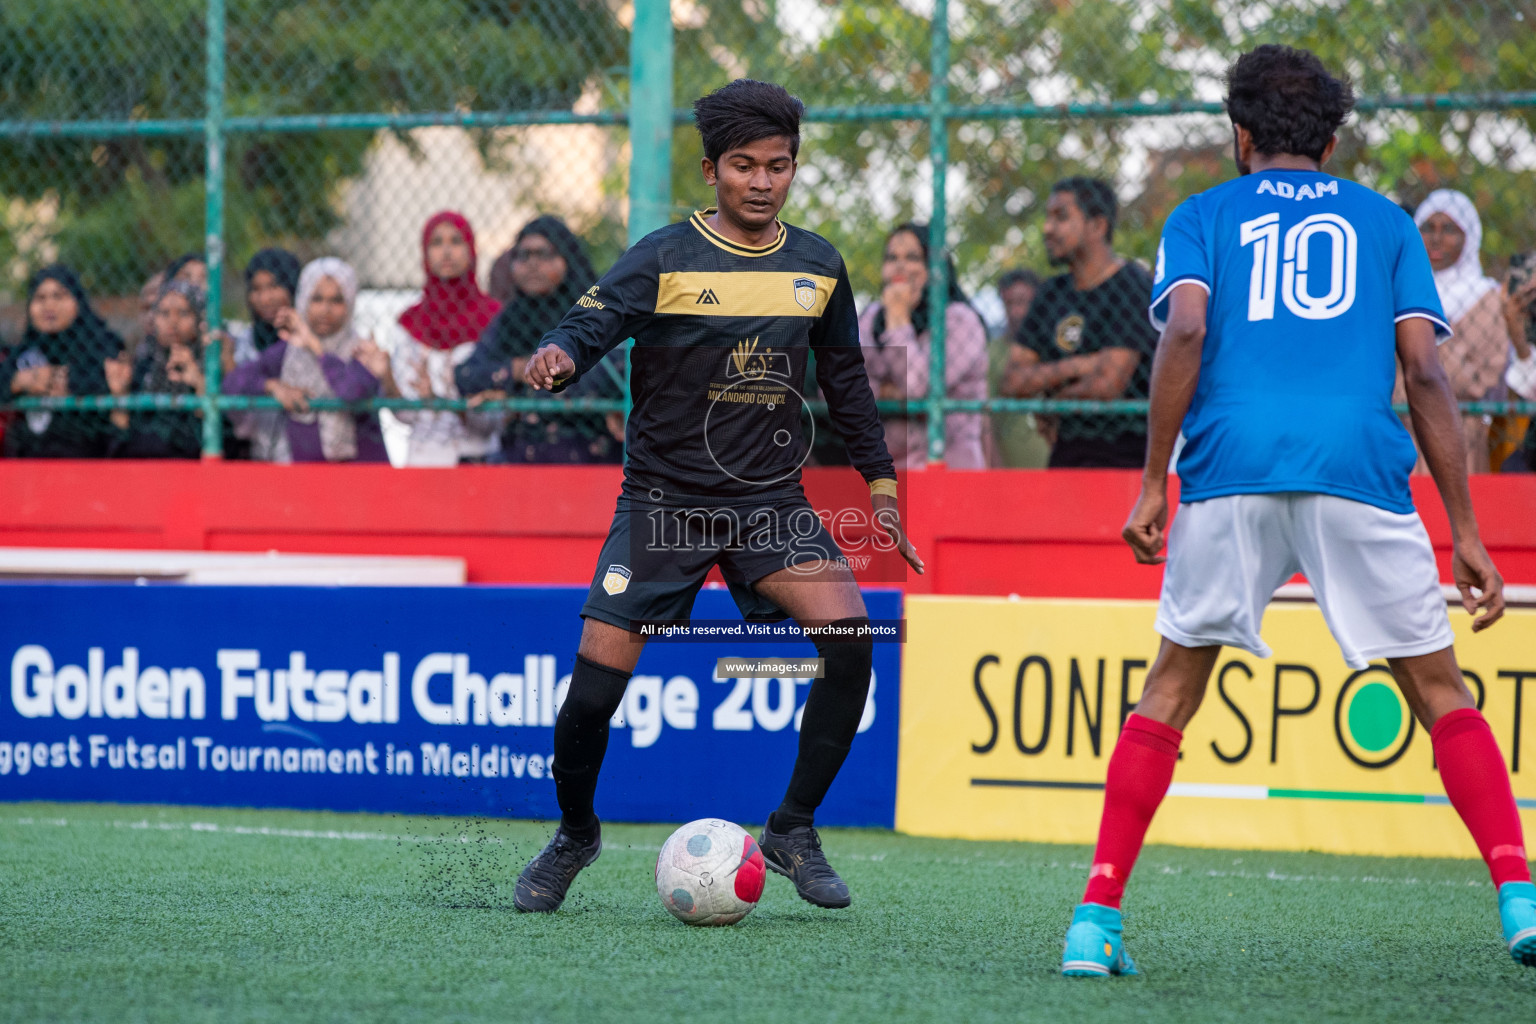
x=1069, y=332
x=616, y=580
x=748, y=362
x=707, y=298
x=805, y=292
x=1286, y=190
x=589, y=300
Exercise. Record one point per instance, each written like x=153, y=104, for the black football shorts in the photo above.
x=656, y=557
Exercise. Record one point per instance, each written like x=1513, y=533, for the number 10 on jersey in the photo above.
x=1294, y=280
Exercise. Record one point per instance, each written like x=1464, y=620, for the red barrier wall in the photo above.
x=1030, y=532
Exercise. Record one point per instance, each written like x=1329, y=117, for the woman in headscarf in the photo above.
x=191, y=267
x=436, y=335
x=271, y=282
x=169, y=362
x=64, y=352
x=319, y=354
x=1475, y=355
x=895, y=333
x=549, y=272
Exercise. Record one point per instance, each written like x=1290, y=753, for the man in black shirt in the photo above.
x=725, y=309
x=1087, y=334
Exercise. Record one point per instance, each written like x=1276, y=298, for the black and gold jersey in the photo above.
x=722, y=334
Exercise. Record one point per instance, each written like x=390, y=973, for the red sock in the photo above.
x=1139, y=772
x=1476, y=779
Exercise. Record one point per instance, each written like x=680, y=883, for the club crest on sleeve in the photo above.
x=805, y=292
x=616, y=580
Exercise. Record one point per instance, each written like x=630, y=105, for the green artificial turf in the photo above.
x=121, y=913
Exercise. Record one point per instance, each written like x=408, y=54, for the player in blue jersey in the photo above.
x=1285, y=298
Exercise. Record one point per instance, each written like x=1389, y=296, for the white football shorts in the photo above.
x=1372, y=571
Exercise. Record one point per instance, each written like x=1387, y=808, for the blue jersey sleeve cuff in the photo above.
x=1158, y=312
x=1443, y=330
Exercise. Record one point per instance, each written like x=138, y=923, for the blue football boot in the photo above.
x=1517, y=909
x=1094, y=948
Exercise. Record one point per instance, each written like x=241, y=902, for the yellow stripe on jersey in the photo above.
x=743, y=293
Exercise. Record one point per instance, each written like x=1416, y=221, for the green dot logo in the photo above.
x=1371, y=720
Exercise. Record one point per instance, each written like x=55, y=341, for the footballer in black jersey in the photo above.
x=726, y=309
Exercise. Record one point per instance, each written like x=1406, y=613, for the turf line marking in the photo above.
x=264, y=830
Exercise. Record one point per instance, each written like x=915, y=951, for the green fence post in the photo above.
x=938, y=265
x=650, y=118
x=650, y=134
x=213, y=134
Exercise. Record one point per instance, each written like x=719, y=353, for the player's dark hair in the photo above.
x=744, y=112
x=1018, y=275
x=1094, y=197
x=1287, y=100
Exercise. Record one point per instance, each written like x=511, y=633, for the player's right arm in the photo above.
x=1175, y=372
x=1181, y=293
x=618, y=306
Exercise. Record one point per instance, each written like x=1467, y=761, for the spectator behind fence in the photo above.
x=1477, y=352
x=64, y=351
x=436, y=335
x=148, y=295
x=169, y=362
x=319, y=354
x=191, y=267
x=549, y=271
x=1016, y=441
x=1519, y=297
x=271, y=282
x=1087, y=335
x=895, y=333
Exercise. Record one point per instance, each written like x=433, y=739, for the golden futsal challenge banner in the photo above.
x=1010, y=710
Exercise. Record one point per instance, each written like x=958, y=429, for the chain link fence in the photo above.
x=231, y=144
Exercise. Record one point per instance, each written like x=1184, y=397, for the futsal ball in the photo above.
x=710, y=872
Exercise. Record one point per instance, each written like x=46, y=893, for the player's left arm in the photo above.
x=851, y=406
x=617, y=307
x=1437, y=425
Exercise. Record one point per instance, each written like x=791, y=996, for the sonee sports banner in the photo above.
x=1010, y=710
x=426, y=700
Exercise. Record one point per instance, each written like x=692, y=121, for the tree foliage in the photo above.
x=119, y=207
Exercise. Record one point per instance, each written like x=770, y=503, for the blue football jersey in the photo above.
x=1307, y=275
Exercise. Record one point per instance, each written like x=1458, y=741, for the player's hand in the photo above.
x=1145, y=531
x=889, y=518
x=1473, y=570
x=547, y=367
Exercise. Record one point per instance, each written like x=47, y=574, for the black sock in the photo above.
x=581, y=740
x=830, y=722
